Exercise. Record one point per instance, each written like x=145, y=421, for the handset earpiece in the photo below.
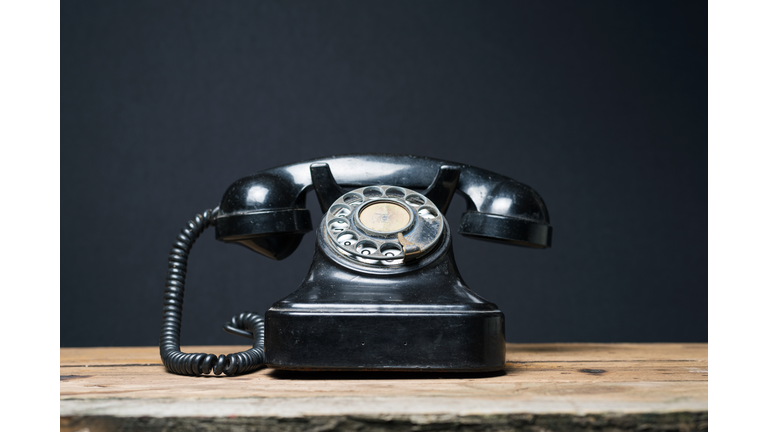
x=264, y=212
x=506, y=211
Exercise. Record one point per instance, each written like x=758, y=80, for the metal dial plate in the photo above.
x=383, y=225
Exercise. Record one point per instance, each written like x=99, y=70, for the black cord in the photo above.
x=246, y=324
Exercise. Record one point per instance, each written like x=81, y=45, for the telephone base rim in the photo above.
x=478, y=371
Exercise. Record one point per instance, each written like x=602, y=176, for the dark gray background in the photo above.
x=599, y=106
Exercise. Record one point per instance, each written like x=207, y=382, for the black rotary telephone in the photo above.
x=383, y=291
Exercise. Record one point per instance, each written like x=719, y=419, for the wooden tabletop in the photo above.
x=543, y=386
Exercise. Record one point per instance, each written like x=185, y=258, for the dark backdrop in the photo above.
x=599, y=106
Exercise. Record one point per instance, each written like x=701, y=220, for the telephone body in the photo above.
x=383, y=291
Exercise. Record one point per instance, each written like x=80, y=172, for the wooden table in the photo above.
x=543, y=387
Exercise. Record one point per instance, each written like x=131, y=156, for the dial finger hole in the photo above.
x=414, y=200
x=390, y=250
x=338, y=225
x=366, y=247
x=395, y=192
x=353, y=198
x=340, y=210
x=372, y=192
x=427, y=212
x=347, y=239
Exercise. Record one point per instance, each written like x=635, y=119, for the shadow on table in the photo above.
x=560, y=347
x=379, y=375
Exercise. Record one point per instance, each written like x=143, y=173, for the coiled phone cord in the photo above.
x=247, y=324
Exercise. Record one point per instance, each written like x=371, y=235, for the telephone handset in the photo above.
x=383, y=291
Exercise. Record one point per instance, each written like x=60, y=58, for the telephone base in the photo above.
x=421, y=317
x=380, y=341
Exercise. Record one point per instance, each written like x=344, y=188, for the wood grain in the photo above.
x=539, y=379
x=515, y=353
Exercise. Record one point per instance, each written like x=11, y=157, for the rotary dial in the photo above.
x=383, y=225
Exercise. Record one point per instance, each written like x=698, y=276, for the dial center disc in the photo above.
x=384, y=216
